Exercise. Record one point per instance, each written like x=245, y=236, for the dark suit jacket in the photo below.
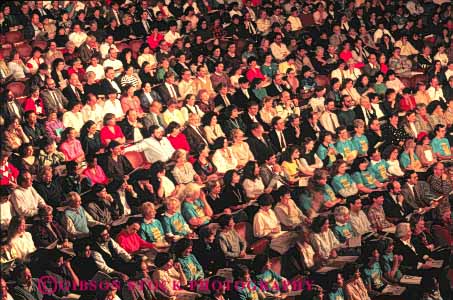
x=424, y=195
x=8, y=114
x=37, y=80
x=144, y=101
x=259, y=149
x=49, y=102
x=68, y=92
x=308, y=131
x=367, y=70
x=86, y=53
x=128, y=130
x=272, y=90
x=359, y=113
x=219, y=102
x=393, y=210
x=193, y=138
x=290, y=136
x=248, y=121
x=106, y=86
x=241, y=101
x=139, y=28
x=275, y=140
x=165, y=94
x=410, y=258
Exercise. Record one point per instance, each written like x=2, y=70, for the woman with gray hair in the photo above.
x=47, y=231
x=405, y=248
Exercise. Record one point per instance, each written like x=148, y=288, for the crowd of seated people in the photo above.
x=267, y=142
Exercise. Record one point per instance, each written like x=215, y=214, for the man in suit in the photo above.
x=271, y=172
x=195, y=134
x=259, y=145
x=89, y=49
x=148, y=96
x=109, y=81
x=417, y=193
x=143, y=27
x=154, y=117
x=39, y=79
x=395, y=207
x=11, y=109
x=277, y=135
x=365, y=111
x=244, y=95
x=115, y=13
x=53, y=98
x=223, y=99
x=74, y=91
x=277, y=86
x=372, y=67
x=251, y=116
x=168, y=90
x=329, y=119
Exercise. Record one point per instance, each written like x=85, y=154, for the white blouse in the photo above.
x=324, y=243
x=22, y=245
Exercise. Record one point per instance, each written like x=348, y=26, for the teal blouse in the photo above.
x=340, y=182
x=380, y=88
x=175, y=224
x=269, y=71
x=272, y=282
x=247, y=291
x=342, y=232
x=360, y=144
x=366, y=178
x=441, y=146
x=405, y=159
x=337, y=295
x=322, y=154
x=344, y=147
x=373, y=276
x=193, y=210
x=379, y=170
x=152, y=232
x=191, y=267
x=387, y=265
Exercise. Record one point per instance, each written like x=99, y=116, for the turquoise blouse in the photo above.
x=342, y=232
x=366, y=178
x=271, y=281
x=340, y=182
x=387, y=265
x=405, y=159
x=373, y=276
x=441, y=146
x=344, y=147
x=322, y=154
x=176, y=224
x=152, y=232
x=191, y=267
x=360, y=144
x=193, y=210
x=379, y=170
x=337, y=295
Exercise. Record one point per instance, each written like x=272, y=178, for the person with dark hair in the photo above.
x=129, y=239
x=34, y=130
x=417, y=193
x=170, y=275
x=189, y=263
x=323, y=239
x=27, y=287
x=25, y=198
x=230, y=242
x=223, y=157
x=252, y=182
x=247, y=289
x=269, y=280
x=83, y=263
x=363, y=177
x=109, y=256
x=90, y=138
x=376, y=213
x=344, y=145
x=71, y=146
x=287, y=212
x=440, y=144
x=266, y=225
x=354, y=286
x=372, y=272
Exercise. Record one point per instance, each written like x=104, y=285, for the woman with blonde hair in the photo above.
x=175, y=226
x=14, y=135
x=183, y=171
x=268, y=112
x=195, y=209
x=241, y=149
x=151, y=229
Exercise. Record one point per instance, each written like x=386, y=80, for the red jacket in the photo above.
x=132, y=242
x=407, y=104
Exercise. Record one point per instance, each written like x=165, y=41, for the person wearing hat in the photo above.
x=267, y=225
x=169, y=275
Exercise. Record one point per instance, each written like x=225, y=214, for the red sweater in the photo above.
x=132, y=242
